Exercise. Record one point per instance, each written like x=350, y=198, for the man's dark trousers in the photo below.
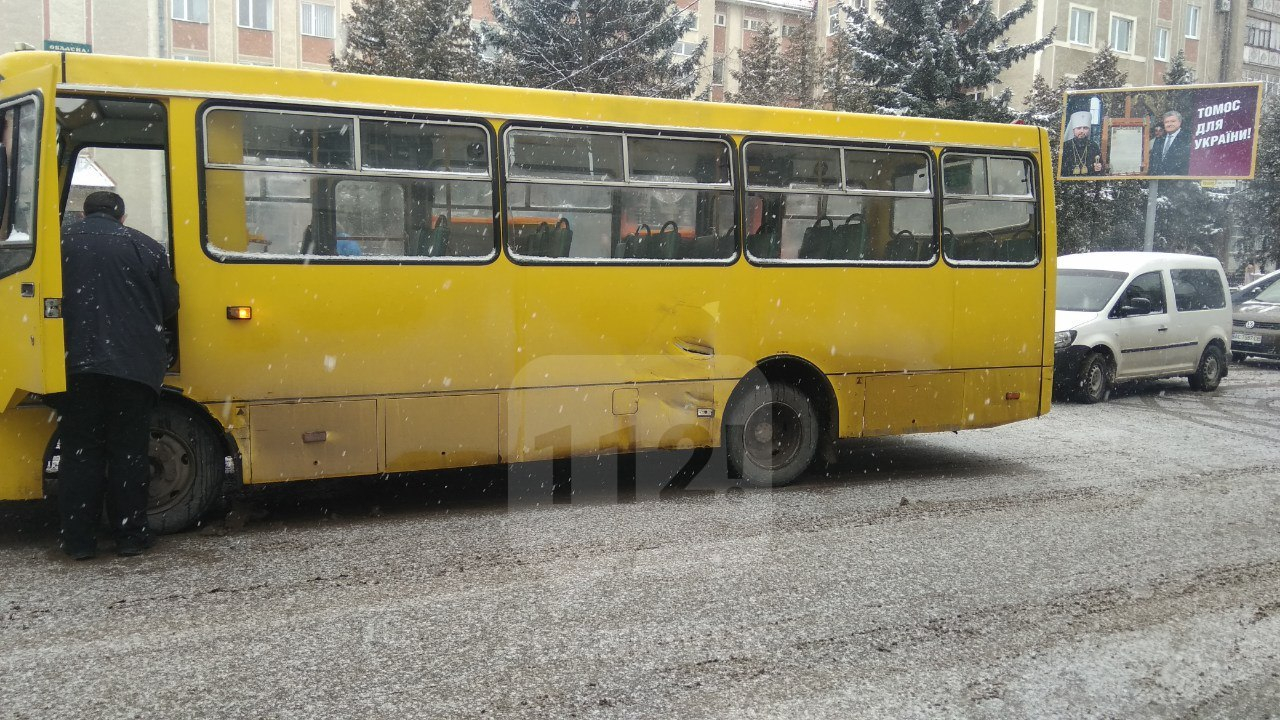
x=105, y=433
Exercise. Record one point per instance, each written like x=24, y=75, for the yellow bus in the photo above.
x=385, y=275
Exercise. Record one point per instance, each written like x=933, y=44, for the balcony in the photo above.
x=1261, y=56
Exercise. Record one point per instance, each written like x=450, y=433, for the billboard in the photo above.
x=1193, y=132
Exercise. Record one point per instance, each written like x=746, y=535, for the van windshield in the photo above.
x=1087, y=290
x=1271, y=294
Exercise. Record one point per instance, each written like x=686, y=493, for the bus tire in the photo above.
x=771, y=434
x=187, y=468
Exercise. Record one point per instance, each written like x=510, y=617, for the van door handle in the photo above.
x=1163, y=329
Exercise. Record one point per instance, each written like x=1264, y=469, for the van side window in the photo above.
x=1197, y=290
x=1148, y=286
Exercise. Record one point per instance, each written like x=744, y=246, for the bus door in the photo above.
x=30, y=247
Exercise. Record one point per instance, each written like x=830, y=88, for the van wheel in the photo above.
x=1213, y=364
x=187, y=467
x=1094, y=381
x=1238, y=357
x=771, y=434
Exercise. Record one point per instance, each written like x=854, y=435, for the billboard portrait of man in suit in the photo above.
x=1171, y=154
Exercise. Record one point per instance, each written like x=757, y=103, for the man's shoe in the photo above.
x=131, y=547
x=80, y=553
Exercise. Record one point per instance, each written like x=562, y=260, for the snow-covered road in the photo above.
x=1118, y=560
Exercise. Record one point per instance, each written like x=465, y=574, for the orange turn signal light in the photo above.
x=242, y=312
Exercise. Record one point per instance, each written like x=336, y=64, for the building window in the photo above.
x=190, y=55
x=753, y=24
x=684, y=49
x=717, y=71
x=1080, y=31
x=789, y=30
x=1161, y=45
x=254, y=14
x=191, y=10
x=317, y=20
x=1121, y=34
x=1261, y=33
x=720, y=20
x=1193, y=22
x=833, y=19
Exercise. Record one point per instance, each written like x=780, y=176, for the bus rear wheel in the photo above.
x=771, y=434
x=187, y=468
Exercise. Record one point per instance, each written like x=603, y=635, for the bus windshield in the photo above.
x=1087, y=290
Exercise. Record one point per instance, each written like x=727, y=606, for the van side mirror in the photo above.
x=1135, y=306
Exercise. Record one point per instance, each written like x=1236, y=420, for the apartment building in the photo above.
x=281, y=33
x=1254, y=52
x=284, y=33
x=117, y=27
x=1145, y=36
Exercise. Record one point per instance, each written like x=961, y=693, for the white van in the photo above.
x=1135, y=315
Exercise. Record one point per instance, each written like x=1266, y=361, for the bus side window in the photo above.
x=569, y=197
x=292, y=184
x=989, y=210
x=804, y=208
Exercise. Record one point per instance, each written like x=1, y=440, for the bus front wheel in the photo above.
x=771, y=434
x=187, y=468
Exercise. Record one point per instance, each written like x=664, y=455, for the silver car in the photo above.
x=1255, y=326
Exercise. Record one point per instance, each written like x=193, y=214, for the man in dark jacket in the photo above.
x=118, y=289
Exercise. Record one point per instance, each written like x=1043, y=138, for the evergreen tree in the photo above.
x=1178, y=72
x=622, y=47
x=1103, y=71
x=929, y=57
x=841, y=89
x=1259, y=204
x=759, y=74
x=429, y=39
x=1044, y=108
x=802, y=66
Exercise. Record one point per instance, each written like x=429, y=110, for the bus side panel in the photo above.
x=848, y=319
x=444, y=431
x=999, y=320
x=24, y=435
x=1000, y=395
x=296, y=441
x=913, y=403
x=548, y=423
x=342, y=330
x=614, y=358
x=850, y=391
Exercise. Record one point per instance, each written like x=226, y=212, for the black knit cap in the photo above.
x=104, y=202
